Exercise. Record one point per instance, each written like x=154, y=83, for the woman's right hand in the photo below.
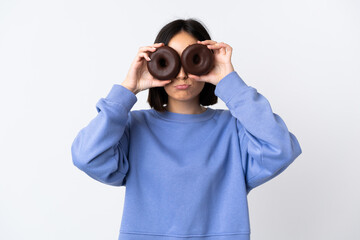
x=138, y=77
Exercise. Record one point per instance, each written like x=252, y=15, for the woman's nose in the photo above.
x=182, y=74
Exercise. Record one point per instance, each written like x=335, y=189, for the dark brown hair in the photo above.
x=157, y=95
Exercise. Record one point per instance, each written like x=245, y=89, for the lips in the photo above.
x=182, y=86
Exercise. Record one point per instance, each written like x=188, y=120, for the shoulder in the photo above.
x=223, y=114
x=141, y=115
x=225, y=120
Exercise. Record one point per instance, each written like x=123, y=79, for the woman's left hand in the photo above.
x=222, y=62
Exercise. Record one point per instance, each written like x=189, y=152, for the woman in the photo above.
x=187, y=168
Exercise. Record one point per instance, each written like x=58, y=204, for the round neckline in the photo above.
x=181, y=117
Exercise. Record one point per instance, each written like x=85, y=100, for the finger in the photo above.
x=206, y=41
x=195, y=77
x=152, y=47
x=147, y=48
x=158, y=44
x=143, y=55
x=160, y=83
x=216, y=45
x=228, y=48
x=222, y=50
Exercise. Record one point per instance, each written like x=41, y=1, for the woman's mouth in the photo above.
x=184, y=86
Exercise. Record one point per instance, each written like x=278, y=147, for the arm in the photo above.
x=267, y=147
x=101, y=148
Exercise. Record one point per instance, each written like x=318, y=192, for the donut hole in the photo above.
x=163, y=63
x=196, y=59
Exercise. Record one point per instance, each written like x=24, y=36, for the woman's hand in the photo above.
x=138, y=77
x=222, y=65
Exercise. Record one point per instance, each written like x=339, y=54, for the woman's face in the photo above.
x=179, y=42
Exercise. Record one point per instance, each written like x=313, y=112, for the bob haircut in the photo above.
x=157, y=96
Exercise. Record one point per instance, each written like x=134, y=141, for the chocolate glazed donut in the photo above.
x=197, y=59
x=165, y=63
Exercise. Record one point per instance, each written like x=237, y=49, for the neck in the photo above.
x=185, y=107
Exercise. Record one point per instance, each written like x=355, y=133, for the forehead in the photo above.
x=181, y=40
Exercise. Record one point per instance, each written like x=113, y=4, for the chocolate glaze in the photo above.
x=197, y=59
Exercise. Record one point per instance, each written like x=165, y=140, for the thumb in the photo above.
x=160, y=83
x=197, y=78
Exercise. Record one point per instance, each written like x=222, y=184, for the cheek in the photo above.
x=199, y=86
x=168, y=88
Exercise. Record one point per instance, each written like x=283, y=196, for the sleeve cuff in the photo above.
x=121, y=95
x=229, y=86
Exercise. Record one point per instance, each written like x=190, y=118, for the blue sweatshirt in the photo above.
x=186, y=175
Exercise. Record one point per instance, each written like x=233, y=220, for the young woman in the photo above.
x=187, y=168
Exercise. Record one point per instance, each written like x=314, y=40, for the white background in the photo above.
x=58, y=58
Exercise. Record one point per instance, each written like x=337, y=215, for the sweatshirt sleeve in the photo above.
x=267, y=147
x=101, y=148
